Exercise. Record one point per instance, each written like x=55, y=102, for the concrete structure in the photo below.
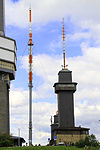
x=4, y=107
x=63, y=129
x=2, y=17
x=7, y=72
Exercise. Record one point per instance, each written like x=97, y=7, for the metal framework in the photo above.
x=30, y=44
x=64, y=45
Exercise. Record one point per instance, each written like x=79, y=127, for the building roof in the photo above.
x=72, y=129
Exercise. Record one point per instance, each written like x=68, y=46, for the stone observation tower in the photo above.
x=65, y=89
x=7, y=71
x=63, y=129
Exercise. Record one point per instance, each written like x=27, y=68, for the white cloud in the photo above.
x=16, y=13
x=88, y=116
x=85, y=68
x=42, y=112
x=18, y=97
x=83, y=11
x=85, y=71
x=79, y=36
x=44, y=66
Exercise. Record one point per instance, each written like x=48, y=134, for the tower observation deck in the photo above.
x=7, y=72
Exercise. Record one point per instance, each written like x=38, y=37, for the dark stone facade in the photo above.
x=65, y=89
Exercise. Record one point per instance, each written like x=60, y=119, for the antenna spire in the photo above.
x=64, y=45
x=30, y=44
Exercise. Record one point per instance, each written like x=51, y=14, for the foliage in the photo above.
x=89, y=141
x=6, y=140
x=80, y=143
x=45, y=148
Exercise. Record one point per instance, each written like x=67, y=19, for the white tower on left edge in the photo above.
x=7, y=72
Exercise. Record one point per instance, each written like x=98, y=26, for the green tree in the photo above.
x=93, y=141
x=80, y=143
x=89, y=141
x=6, y=140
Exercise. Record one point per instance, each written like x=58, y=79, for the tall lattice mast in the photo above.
x=30, y=44
x=64, y=65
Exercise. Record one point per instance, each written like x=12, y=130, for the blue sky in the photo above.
x=82, y=29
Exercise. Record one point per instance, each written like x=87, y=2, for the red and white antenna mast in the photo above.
x=30, y=44
x=64, y=65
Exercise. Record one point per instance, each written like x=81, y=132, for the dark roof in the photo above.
x=72, y=129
